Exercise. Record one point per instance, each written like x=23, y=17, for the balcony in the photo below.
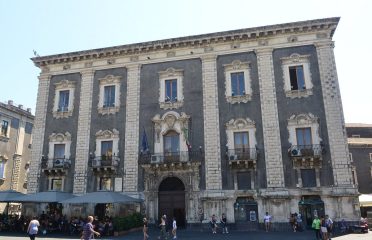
x=172, y=159
x=55, y=166
x=242, y=157
x=306, y=155
x=105, y=163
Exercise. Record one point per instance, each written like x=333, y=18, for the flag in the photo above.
x=186, y=137
x=145, y=144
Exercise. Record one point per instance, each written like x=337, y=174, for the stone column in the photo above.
x=17, y=157
x=270, y=120
x=83, y=132
x=132, y=129
x=337, y=139
x=211, y=124
x=38, y=133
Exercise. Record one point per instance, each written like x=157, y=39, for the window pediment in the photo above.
x=302, y=119
x=60, y=137
x=110, y=79
x=64, y=84
x=107, y=134
x=240, y=124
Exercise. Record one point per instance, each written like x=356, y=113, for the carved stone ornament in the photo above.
x=171, y=54
x=171, y=105
x=235, y=45
x=302, y=119
x=60, y=137
x=208, y=49
x=64, y=84
x=171, y=72
x=240, y=124
x=88, y=64
x=110, y=79
x=295, y=58
x=170, y=120
x=107, y=134
x=299, y=93
x=111, y=61
x=134, y=58
x=263, y=42
x=292, y=39
x=66, y=66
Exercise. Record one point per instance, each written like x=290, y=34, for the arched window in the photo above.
x=171, y=142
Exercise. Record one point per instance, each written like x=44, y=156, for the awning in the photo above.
x=10, y=195
x=103, y=197
x=365, y=200
x=45, y=197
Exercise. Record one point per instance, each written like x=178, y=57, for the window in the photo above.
x=107, y=145
x=297, y=76
x=244, y=180
x=303, y=136
x=351, y=157
x=104, y=184
x=308, y=177
x=353, y=177
x=59, y=151
x=370, y=157
x=171, y=142
x=4, y=128
x=171, y=88
x=241, y=139
x=109, y=95
x=106, y=150
x=56, y=184
x=238, y=82
x=64, y=99
x=2, y=169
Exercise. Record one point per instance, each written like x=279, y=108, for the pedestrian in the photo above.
x=145, y=229
x=292, y=221
x=316, y=226
x=214, y=224
x=88, y=230
x=299, y=222
x=329, y=225
x=33, y=228
x=162, y=228
x=224, y=224
x=174, y=228
x=267, y=221
x=323, y=228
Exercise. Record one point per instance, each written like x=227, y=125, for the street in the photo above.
x=196, y=235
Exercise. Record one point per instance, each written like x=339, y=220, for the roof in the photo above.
x=358, y=125
x=329, y=24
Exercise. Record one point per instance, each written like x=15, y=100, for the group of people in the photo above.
x=295, y=221
x=163, y=228
x=322, y=227
x=223, y=222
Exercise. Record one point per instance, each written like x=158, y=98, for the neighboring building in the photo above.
x=238, y=122
x=360, y=152
x=15, y=147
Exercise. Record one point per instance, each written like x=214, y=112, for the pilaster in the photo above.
x=337, y=140
x=211, y=124
x=83, y=132
x=270, y=120
x=132, y=129
x=38, y=133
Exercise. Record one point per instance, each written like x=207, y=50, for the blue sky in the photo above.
x=52, y=27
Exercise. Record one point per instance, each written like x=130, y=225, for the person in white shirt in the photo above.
x=267, y=221
x=33, y=228
x=174, y=229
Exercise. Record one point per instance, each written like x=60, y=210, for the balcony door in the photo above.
x=241, y=145
x=171, y=146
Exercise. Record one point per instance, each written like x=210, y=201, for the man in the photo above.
x=267, y=221
x=329, y=225
x=33, y=228
x=316, y=226
x=174, y=228
x=88, y=231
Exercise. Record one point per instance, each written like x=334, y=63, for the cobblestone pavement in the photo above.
x=195, y=235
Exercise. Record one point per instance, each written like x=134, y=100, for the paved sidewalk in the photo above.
x=196, y=235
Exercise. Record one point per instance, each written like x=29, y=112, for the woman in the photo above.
x=214, y=224
x=145, y=228
x=323, y=228
x=33, y=228
x=224, y=223
x=163, y=228
x=174, y=228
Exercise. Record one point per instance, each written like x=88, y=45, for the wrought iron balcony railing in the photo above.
x=171, y=157
x=61, y=163
x=303, y=151
x=105, y=161
x=241, y=154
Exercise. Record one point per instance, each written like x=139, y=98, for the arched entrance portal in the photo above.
x=172, y=200
x=309, y=207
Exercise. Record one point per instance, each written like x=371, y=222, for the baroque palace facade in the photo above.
x=238, y=122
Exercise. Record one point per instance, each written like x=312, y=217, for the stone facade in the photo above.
x=15, y=147
x=238, y=122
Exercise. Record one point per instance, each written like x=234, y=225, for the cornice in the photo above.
x=204, y=40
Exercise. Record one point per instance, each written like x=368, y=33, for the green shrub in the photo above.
x=128, y=222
